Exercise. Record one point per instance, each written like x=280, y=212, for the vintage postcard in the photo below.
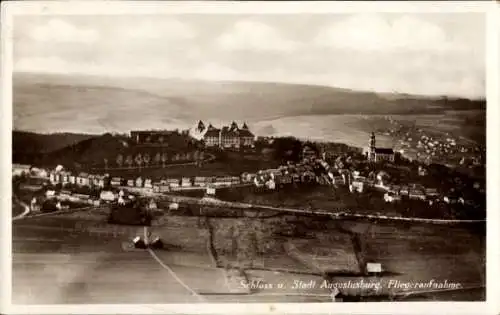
x=226, y=157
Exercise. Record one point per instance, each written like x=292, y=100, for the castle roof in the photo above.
x=230, y=132
x=212, y=132
x=245, y=133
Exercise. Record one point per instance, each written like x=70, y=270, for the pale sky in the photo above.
x=429, y=54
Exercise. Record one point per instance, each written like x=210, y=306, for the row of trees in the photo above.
x=158, y=159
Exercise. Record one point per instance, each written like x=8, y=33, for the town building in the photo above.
x=116, y=181
x=308, y=152
x=83, y=179
x=227, y=137
x=99, y=180
x=375, y=154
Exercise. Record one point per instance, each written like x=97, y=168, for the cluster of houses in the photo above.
x=395, y=193
x=140, y=184
x=310, y=170
x=430, y=147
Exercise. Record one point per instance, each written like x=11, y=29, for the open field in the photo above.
x=419, y=253
x=96, y=267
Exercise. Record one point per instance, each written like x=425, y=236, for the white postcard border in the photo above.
x=10, y=9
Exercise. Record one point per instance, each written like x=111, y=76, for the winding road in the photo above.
x=26, y=209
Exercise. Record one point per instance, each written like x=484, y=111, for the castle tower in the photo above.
x=234, y=126
x=201, y=126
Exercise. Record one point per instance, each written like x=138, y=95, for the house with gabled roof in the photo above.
x=116, y=181
x=83, y=179
x=99, y=180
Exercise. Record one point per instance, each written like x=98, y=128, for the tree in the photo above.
x=157, y=158
x=119, y=160
x=129, y=161
x=139, y=160
x=164, y=159
x=146, y=158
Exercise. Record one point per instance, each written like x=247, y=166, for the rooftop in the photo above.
x=384, y=151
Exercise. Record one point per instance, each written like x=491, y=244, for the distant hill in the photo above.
x=99, y=104
x=26, y=145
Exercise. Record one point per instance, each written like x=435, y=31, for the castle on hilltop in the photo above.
x=227, y=137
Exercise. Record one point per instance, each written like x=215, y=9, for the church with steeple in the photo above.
x=375, y=154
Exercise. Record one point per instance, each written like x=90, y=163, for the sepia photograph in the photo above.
x=216, y=156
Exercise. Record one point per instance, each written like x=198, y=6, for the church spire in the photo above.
x=372, y=142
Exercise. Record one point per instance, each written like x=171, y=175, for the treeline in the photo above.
x=157, y=159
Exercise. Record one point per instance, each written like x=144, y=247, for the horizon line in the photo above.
x=386, y=94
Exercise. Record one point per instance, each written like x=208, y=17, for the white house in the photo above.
x=116, y=181
x=186, y=182
x=148, y=183
x=107, y=195
x=431, y=192
x=210, y=190
x=259, y=181
x=173, y=206
x=64, y=177
x=357, y=186
x=99, y=180
x=138, y=182
x=53, y=178
x=373, y=267
x=200, y=181
x=235, y=180
x=20, y=169
x=271, y=184
x=83, y=179
x=416, y=194
x=50, y=193
x=173, y=182
x=391, y=197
